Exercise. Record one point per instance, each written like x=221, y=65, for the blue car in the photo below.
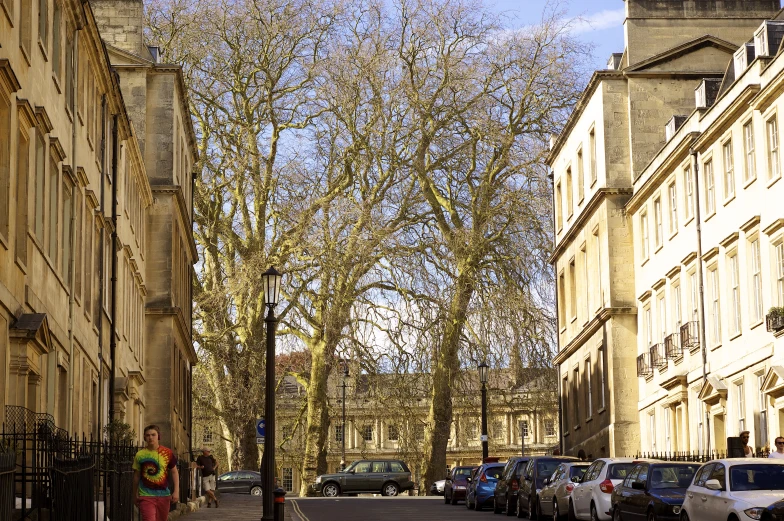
x=481, y=485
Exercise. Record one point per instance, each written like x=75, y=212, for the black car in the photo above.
x=390, y=477
x=505, y=496
x=652, y=490
x=774, y=512
x=536, y=471
x=240, y=482
x=456, y=484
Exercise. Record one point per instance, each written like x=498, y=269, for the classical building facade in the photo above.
x=386, y=418
x=615, y=253
x=84, y=277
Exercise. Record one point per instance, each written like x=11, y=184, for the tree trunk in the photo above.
x=444, y=371
x=318, y=416
x=249, y=449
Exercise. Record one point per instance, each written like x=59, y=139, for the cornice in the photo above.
x=726, y=117
x=8, y=78
x=749, y=225
x=670, y=163
x=592, y=327
x=774, y=227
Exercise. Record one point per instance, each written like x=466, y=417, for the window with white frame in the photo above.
x=688, y=185
x=569, y=192
x=644, y=234
x=750, y=167
x=573, y=289
x=648, y=325
x=657, y=219
x=756, y=280
x=288, y=479
x=338, y=433
x=694, y=297
x=715, y=309
x=710, y=188
x=592, y=143
x=586, y=285
x=367, y=433
x=762, y=428
x=667, y=429
x=392, y=433
x=558, y=206
x=549, y=428
x=700, y=411
x=580, y=177
x=780, y=272
x=729, y=170
x=522, y=428
x=561, y=300
x=676, y=307
x=588, y=385
x=576, y=394
x=772, y=132
x=673, y=199
x=734, y=280
x=740, y=406
x=206, y=436
x=597, y=245
x=662, y=318
x=600, y=361
x=652, y=431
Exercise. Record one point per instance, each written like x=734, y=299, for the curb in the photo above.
x=187, y=508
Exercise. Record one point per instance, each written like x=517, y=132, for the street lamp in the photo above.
x=271, y=280
x=343, y=428
x=483, y=368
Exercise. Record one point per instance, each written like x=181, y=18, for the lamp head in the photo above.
x=483, y=368
x=271, y=280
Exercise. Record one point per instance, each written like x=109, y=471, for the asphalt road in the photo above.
x=401, y=508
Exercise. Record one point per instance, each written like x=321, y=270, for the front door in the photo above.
x=358, y=479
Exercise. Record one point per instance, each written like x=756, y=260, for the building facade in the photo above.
x=80, y=273
x=606, y=282
x=381, y=422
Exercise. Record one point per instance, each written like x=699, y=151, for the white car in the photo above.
x=590, y=498
x=733, y=489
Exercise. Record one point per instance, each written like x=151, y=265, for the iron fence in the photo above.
x=693, y=456
x=7, y=465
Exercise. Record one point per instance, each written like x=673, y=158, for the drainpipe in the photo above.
x=101, y=273
x=113, y=252
x=557, y=332
x=72, y=260
x=700, y=283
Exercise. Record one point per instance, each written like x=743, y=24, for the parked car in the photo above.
x=456, y=483
x=774, y=512
x=554, y=496
x=590, y=498
x=505, y=494
x=738, y=488
x=239, y=482
x=437, y=488
x=536, y=471
x=481, y=485
x=389, y=477
x=653, y=491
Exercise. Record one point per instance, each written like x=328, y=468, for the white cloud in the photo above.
x=598, y=21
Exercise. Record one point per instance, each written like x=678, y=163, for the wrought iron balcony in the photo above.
x=774, y=321
x=672, y=347
x=690, y=335
x=658, y=359
x=643, y=365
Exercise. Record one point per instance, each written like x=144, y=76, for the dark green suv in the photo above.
x=389, y=477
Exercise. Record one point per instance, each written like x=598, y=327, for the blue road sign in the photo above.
x=260, y=428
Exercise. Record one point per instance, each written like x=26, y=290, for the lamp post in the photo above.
x=271, y=280
x=483, y=378
x=343, y=428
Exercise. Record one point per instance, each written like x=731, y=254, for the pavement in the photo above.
x=233, y=507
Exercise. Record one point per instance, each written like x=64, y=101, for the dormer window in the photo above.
x=767, y=38
x=742, y=58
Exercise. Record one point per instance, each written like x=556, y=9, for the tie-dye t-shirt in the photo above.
x=154, y=467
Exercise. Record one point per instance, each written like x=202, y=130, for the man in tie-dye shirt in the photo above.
x=152, y=467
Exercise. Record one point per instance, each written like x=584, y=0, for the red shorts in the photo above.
x=154, y=508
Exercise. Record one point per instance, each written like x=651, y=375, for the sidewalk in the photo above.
x=233, y=507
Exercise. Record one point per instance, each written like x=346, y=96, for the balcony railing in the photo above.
x=774, y=322
x=672, y=347
x=690, y=335
x=643, y=365
x=658, y=359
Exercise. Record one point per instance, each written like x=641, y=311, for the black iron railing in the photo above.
x=694, y=456
x=658, y=358
x=643, y=365
x=672, y=347
x=690, y=335
x=7, y=465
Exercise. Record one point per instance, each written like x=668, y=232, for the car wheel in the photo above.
x=331, y=490
x=684, y=516
x=510, y=509
x=519, y=512
x=478, y=506
x=616, y=514
x=468, y=502
x=390, y=489
x=556, y=514
x=651, y=515
x=453, y=499
x=497, y=506
x=594, y=514
x=570, y=514
x=255, y=491
x=531, y=509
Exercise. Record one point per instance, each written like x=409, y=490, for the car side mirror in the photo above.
x=576, y=479
x=713, y=484
x=352, y=471
x=638, y=485
x=469, y=480
x=546, y=481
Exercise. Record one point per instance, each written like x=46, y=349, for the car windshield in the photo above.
x=577, y=471
x=464, y=471
x=619, y=470
x=757, y=477
x=546, y=468
x=494, y=472
x=672, y=476
x=351, y=466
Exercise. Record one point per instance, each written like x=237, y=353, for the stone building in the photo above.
x=94, y=300
x=601, y=165
x=386, y=417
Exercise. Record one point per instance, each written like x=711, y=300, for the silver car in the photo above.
x=554, y=497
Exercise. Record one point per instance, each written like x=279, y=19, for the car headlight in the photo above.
x=676, y=509
x=754, y=513
x=318, y=480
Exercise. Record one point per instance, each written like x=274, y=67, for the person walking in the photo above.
x=748, y=452
x=209, y=468
x=779, y=452
x=152, y=467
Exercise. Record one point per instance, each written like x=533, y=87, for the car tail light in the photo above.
x=569, y=487
x=514, y=484
x=483, y=479
x=606, y=486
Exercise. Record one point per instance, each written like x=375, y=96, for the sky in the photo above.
x=599, y=22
